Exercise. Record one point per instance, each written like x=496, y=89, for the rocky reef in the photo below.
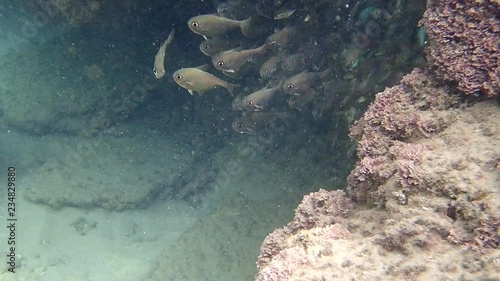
x=422, y=201
x=465, y=44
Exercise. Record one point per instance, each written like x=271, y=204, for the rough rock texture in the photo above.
x=455, y=155
x=316, y=219
x=135, y=175
x=374, y=244
x=425, y=197
x=465, y=46
x=411, y=111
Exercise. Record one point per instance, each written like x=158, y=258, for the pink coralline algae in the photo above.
x=465, y=46
x=408, y=157
x=272, y=246
x=285, y=263
x=408, y=111
x=486, y=236
x=320, y=210
x=424, y=186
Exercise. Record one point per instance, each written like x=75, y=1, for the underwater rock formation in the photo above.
x=410, y=111
x=414, y=160
x=465, y=46
x=425, y=201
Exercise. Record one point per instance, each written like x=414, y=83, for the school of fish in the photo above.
x=278, y=58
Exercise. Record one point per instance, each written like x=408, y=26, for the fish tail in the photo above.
x=203, y=67
x=170, y=37
x=246, y=27
x=231, y=88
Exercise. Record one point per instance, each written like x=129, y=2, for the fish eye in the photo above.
x=267, y=71
x=249, y=102
x=206, y=47
x=289, y=86
x=178, y=77
x=195, y=24
x=272, y=42
x=220, y=63
x=155, y=71
x=239, y=125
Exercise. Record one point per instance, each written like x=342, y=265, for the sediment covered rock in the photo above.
x=424, y=194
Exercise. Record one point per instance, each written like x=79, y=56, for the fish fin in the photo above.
x=246, y=27
x=170, y=37
x=190, y=91
x=238, y=49
x=283, y=13
x=230, y=74
x=231, y=88
x=204, y=67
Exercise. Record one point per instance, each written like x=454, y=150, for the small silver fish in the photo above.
x=270, y=67
x=310, y=55
x=275, y=81
x=259, y=100
x=214, y=46
x=292, y=63
x=253, y=122
x=231, y=61
x=299, y=102
x=236, y=104
x=281, y=39
x=304, y=81
x=236, y=10
x=213, y=25
x=199, y=81
x=159, y=64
